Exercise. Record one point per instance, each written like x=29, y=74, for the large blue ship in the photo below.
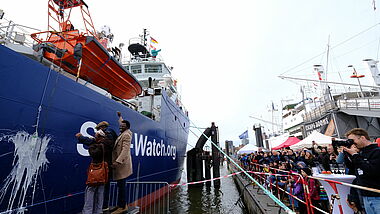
x=43, y=167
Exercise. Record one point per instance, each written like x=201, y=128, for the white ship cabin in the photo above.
x=154, y=76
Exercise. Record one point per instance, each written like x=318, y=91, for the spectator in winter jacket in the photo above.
x=329, y=158
x=314, y=188
x=309, y=158
x=301, y=156
x=290, y=155
x=296, y=189
x=94, y=194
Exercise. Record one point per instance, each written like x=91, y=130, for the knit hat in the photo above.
x=303, y=164
x=309, y=151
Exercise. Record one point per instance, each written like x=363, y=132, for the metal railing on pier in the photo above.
x=271, y=178
x=146, y=197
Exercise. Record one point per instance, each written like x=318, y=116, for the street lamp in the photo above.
x=355, y=75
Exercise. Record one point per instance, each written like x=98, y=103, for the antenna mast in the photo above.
x=327, y=58
x=145, y=37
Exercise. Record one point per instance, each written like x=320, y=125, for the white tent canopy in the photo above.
x=320, y=139
x=249, y=148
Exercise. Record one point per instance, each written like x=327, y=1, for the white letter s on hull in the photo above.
x=83, y=130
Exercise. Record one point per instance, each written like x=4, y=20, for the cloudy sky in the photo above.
x=227, y=55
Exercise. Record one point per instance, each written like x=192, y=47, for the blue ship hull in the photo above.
x=43, y=169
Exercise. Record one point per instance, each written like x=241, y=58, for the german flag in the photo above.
x=153, y=40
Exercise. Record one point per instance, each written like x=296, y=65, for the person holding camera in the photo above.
x=366, y=162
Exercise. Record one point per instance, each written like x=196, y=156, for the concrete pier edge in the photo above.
x=253, y=197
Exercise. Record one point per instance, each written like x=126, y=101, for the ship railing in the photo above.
x=135, y=40
x=319, y=111
x=365, y=104
x=269, y=177
x=11, y=32
x=145, y=196
x=129, y=60
x=126, y=103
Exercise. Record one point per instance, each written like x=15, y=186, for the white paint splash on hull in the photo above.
x=28, y=163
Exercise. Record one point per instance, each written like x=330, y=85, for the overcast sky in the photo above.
x=227, y=54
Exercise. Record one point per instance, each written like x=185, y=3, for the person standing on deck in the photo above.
x=122, y=162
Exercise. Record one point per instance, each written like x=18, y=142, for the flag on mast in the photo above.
x=244, y=135
x=153, y=40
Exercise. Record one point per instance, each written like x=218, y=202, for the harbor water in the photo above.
x=202, y=199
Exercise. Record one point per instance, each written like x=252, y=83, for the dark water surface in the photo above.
x=202, y=199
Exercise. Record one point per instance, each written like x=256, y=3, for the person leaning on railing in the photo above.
x=366, y=162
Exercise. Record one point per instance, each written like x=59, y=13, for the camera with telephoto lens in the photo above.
x=346, y=143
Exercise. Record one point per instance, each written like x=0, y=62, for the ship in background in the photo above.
x=63, y=82
x=331, y=105
x=333, y=108
x=340, y=106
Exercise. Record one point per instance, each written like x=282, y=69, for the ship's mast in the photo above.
x=327, y=57
x=145, y=39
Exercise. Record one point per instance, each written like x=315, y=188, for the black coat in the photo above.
x=367, y=168
x=108, y=146
x=326, y=162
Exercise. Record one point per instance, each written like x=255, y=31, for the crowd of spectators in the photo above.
x=290, y=171
x=303, y=162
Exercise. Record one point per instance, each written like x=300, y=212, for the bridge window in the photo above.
x=136, y=69
x=153, y=69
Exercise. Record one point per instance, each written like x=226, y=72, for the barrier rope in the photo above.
x=204, y=181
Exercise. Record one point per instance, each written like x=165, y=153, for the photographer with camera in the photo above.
x=365, y=158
